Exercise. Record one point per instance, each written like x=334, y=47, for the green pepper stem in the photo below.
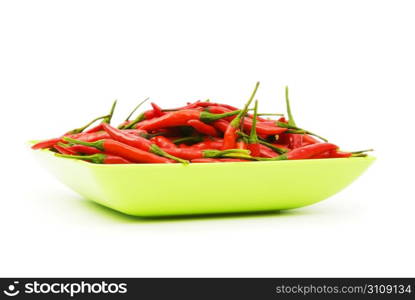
x=287, y=102
x=138, y=119
x=218, y=153
x=135, y=109
x=80, y=129
x=62, y=144
x=253, y=138
x=98, y=144
x=298, y=130
x=195, y=139
x=158, y=151
x=238, y=155
x=236, y=122
x=109, y=118
x=280, y=157
x=275, y=148
x=95, y=158
x=209, y=117
x=362, y=151
x=359, y=155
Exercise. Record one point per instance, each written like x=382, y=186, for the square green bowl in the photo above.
x=207, y=188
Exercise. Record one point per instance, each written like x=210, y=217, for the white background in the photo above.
x=350, y=66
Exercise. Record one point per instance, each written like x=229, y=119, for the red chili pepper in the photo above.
x=163, y=142
x=158, y=112
x=307, y=151
x=98, y=158
x=230, y=135
x=83, y=149
x=63, y=150
x=263, y=128
x=280, y=146
x=183, y=146
x=180, y=118
x=137, y=142
x=203, y=127
x=94, y=129
x=209, y=144
x=332, y=154
x=143, y=117
x=269, y=145
x=123, y=150
x=296, y=141
x=308, y=139
x=221, y=125
x=46, y=143
x=191, y=153
x=264, y=151
x=204, y=160
x=92, y=137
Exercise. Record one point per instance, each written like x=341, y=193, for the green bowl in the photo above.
x=206, y=188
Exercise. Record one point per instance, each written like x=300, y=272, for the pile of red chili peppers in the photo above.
x=199, y=132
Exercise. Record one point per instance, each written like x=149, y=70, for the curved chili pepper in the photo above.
x=263, y=128
x=123, y=150
x=307, y=140
x=92, y=136
x=180, y=118
x=191, y=153
x=341, y=154
x=46, y=143
x=63, y=150
x=209, y=144
x=183, y=146
x=98, y=158
x=332, y=154
x=203, y=127
x=83, y=149
x=137, y=142
x=307, y=151
x=147, y=115
x=163, y=142
x=158, y=112
x=230, y=135
x=264, y=151
x=269, y=145
x=221, y=125
x=295, y=140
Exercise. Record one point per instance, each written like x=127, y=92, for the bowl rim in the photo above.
x=255, y=163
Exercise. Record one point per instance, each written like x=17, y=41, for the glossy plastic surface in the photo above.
x=176, y=189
